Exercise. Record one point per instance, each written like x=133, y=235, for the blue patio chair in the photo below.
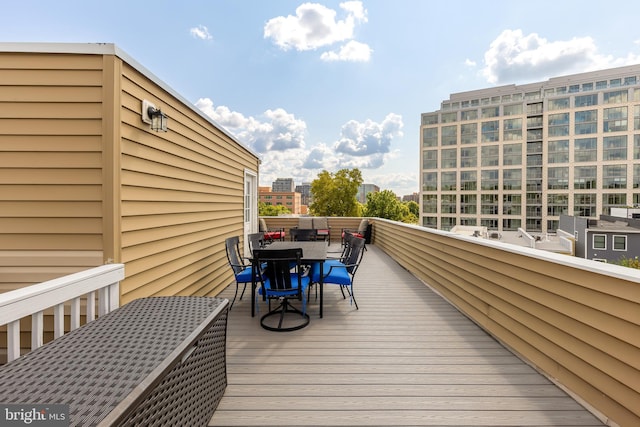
x=279, y=281
x=342, y=272
x=241, y=266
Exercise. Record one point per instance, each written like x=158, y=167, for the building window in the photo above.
x=512, y=204
x=489, y=180
x=489, y=112
x=449, y=158
x=490, y=131
x=430, y=159
x=558, y=178
x=469, y=115
x=614, y=147
x=558, y=125
x=430, y=221
x=512, y=179
x=586, y=122
x=489, y=204
x=430, y=181
x=468, y=157
x=628, y=81
x=430, y=119
x=586, y=100
x=614, y=176
x=636, y=147
x=619, y=243
x=558, y=151
x=602, y=84
x=468, y=180
x=512, y=154
x=448, y=223
x=430, y=203
x=449, y=135
x=636, y=177
x=614, y=119
x=511, y=110
x=468, y=204
x=511, y=224
x=613, y=200
x=557, y=204
x=558, y=104
x=469, y=133
x=430, y=137
x=448, y=181
x=585, y=150
x=599, y=241
x=585, y=177
x=512, y=130
x=448, y=203
x=490, y=155
x=491, y=224
x=587, y=87
x=449, y=117
x=584, y=205
x=616, y=97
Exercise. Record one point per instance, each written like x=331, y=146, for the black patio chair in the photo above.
x=279, y=281
x=342, y=272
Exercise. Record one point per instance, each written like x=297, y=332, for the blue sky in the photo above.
x=330, y=84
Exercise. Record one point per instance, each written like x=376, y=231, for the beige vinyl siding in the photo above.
x=182, y=195
x=50, y=164
x=579, y=326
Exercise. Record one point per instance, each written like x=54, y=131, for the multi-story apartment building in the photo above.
x=519, y=156
x=283, y=185
x=288, y=199
x=365, y=189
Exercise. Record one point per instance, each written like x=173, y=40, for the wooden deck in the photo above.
x=406, y=358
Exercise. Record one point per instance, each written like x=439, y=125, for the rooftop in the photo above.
x=406, y=357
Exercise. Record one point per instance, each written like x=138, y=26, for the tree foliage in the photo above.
x=272, y=210
x=385, y=204
x=334, y=194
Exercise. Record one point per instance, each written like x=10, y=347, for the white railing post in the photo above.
x=32, y=301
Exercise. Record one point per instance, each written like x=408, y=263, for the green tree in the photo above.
x=385, y=204
x=334, y=194
x=272, y=210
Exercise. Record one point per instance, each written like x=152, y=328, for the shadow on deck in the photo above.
x=406, y=358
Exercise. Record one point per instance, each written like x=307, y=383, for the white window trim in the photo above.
x=593, y=242
x=614, y=243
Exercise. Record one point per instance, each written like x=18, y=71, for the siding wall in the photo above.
x=576, y=320
x=84, y=181
x=181, y=196
x=50, y=166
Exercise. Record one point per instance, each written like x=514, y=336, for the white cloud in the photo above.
x=469, y=63
x=352, y=51
x=514, y=57
x=369, y=138
x=276, y=130
x=280, y=138
x=200, y=32
x=315, y=26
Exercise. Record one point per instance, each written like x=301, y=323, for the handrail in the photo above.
x=34, y=300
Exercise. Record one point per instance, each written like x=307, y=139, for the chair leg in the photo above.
x=234, y=297
x=284, y=308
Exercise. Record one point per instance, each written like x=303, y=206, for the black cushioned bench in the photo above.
x=154, y=361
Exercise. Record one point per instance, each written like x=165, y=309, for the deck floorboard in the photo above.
x=405, y=358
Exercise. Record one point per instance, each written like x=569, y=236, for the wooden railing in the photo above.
x=33, y=301
x=576, y=320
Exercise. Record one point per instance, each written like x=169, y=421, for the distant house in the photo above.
x=608, y=239
x=85, y=181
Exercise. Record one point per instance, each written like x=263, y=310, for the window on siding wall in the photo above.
x=619, y=243
x=599, y=241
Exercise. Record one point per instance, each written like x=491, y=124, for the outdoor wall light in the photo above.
x=153, y=116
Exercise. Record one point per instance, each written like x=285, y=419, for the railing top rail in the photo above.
x=26, y=301
x=618, y=271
